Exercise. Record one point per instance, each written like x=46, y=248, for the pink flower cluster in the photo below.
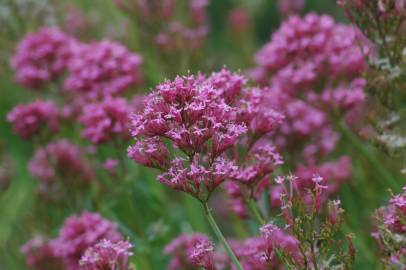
x=305, y=50
x=80, y=233
x=204, y=117
x=59, y=163
x=41, y=56
x=394, y=215
x=106, y=120
x=190, y=252
x=259, y=253
x=102, y=68
x=35, y=118
x=40, y=256
x=392, y=231
x=313, y=67
x=107, y=255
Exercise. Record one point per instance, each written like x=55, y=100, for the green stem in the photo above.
x=254, y=209
x=389, y=179
x=220, y=236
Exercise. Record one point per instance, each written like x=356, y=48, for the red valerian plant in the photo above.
x=208, y=120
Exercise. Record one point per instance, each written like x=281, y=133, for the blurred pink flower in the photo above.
x=107, y=254
x=38, y=118
x=41, y=56
x=59, y=163
x=103, y=68
x=40, y=255
x=106, y=120
x=80, y=233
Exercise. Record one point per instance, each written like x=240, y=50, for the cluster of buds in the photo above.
x=312, y=224
x=391, y=232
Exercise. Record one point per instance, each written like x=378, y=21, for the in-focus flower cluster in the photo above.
x=204, y=118
x=391, y=233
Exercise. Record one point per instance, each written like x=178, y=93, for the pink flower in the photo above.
x=59, y=163
x=110, y=165
x=40, y=255
x=150, y=152
x=107, y=255
x=201, y=255
x=260, y=163
x=305, y=50
x=106, y=120
x=80, y=233
x=190, y=251
x=41, y=56
x=395, y=213
x=103, y=68
x=36, y=118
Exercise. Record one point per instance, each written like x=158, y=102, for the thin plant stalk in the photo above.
x=221, y=237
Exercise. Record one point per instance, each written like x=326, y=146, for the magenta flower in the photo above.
x=107, y=255
x=395, y=213
x=57, y=164
x=305, y=49
x=110, y=165
x=190, y=252
x=106, y=120
x=41, y=56
x=103, y=68
x=40, y=255
x=80, y=233
x=38, y=118
x=201, y=255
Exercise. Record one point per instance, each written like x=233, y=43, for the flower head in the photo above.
x=103, y=68
x=40, y=255
x=80, y=233
x=36, y=118
x=107, y=255
x=59, y=163
x=106, y=120
x=41, y=56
